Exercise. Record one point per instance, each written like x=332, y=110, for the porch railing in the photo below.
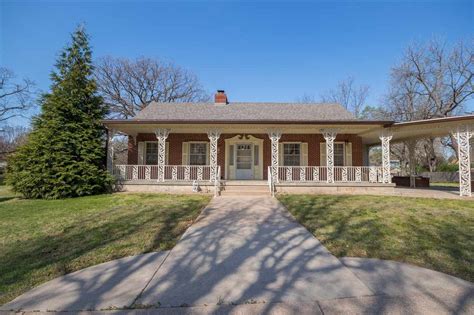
x=342, y=174
x=171, y=172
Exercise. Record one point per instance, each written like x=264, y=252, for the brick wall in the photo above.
x=176, y=140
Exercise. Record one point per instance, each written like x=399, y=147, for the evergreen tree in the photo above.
x=64, y=154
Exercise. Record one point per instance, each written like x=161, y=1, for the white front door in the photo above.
x=244, y=161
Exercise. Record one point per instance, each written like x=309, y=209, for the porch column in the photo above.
x=161, y=135
x=213, y=137
x=110, y=150
x=411, y=144
x=329, y=135
x=463, y=135
x=275, y=136
x=386, y=176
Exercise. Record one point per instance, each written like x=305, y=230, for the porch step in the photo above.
x=250, y=189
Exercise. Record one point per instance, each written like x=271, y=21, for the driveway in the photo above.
x=247, y=254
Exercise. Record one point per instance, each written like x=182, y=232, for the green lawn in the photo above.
x=43, y=239
x=436, y=234
x=444, y=184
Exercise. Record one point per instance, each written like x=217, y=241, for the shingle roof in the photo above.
x=245, y=112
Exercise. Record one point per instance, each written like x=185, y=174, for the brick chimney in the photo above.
x=220, y=98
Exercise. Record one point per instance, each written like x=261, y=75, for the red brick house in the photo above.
x=283, y=144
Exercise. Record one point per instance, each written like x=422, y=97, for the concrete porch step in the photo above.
x=244, y=183
x=245, y=193
x=248, y=189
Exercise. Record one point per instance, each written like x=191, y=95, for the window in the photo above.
x=291, y=154
x=243, y=158
x=197, y=153
x=151, y=153
x=338, y=154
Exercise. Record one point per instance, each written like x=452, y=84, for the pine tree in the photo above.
x=64, y=154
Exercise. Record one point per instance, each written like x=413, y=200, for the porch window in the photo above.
x=197, y=153
x=151, y=153
x=291, y=154
x=338, y=154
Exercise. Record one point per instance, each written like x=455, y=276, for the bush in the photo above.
x=446, y=167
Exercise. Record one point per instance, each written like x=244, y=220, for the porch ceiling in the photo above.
x=419, y=129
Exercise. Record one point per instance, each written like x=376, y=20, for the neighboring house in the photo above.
x=287, y=144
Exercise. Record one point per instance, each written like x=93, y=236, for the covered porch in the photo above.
x=210, y=155
x=193, y=156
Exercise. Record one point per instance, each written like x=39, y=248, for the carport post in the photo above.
x=385, y=137
x=411, y=144
x=463, y=134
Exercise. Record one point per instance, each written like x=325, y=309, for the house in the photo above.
x=176, y=146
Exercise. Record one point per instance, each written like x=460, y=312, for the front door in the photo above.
x=244, y=161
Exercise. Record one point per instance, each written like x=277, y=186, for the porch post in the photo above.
x=275, y=136
x=110, y=150
x=213, y=137
x=411, y=144
x=385, y=138
x=161, y=135
x=329, y=135
x=463, y=135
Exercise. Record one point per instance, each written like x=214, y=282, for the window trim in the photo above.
x=343, y=152
x=207, y=143
x=146, y=152
x=292, y=142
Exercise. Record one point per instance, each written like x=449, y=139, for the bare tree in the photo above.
x=10, y=138
x=15, y=96
x=349, y=95
x=431, y=81
x=306, y=99
x=443, y=78
x=127, y=86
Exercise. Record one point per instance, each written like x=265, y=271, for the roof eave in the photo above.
x=385, y=123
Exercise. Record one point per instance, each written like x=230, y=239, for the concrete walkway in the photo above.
x=246, y=255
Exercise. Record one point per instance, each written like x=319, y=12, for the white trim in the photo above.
x=257, y=169
x=343, y=151
x=283, y=151
x=145, y=143
x=167, y=149
x=189, y=150
x=252, y=161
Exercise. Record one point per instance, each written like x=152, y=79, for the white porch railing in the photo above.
x=171, y=172
x=342, y=174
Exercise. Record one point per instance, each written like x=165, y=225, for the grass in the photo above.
x=435, y=234
x=444, y=184
x=44, y=239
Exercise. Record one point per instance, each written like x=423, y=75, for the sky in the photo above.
x=256, y=51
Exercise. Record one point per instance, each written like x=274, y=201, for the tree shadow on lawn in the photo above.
x=226, y=260
x=337, y=227
x=30, y=262
x=7, y=198
x=416, y=237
